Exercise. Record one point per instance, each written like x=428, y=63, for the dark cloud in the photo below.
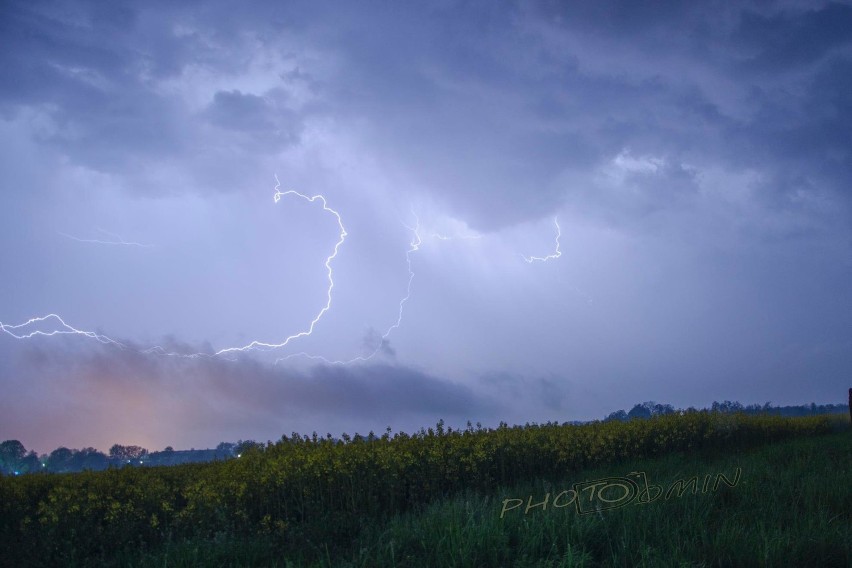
x=783, y=41
x=268, y=125
x=472, y=96
x=697, y=155
x=374, y=342
x=551, y=396
x=621, y=17
x=82, y=70
x=122, y=391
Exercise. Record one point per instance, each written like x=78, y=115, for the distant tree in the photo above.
x=639, y=411
x=12, y=452
x=727, y=406
x=244, y=446
x=169, y=450
x=617, y=415
x=662, y=409
x=89, y=458
x=30, y=463
x=226, y=448
x=649, y=409
x=60, y=460
x=118, y=452
x=125, y=453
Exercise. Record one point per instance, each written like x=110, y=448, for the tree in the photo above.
x=60, y=460
x=11, y=454
x=30, y=463
x=617, y=415
x=127, y=453
x=726, y=406
x=89, y=458
x=639, y=411
x=244, y=446
x=662, y=409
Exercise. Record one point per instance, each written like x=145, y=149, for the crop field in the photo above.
x=696, y=489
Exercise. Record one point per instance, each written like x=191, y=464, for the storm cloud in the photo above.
x=696, y=156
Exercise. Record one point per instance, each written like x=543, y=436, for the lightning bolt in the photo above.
x=557, y=253
x=414, y=246
x=25, y=331
x=442, y=237
x=19, y=331
x=277, y=197
x=117, y=239
x=64, y=329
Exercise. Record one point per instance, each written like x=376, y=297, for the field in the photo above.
x=436, y=499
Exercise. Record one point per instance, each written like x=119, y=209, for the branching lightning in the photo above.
x=20, y=331
x=277, y=197
x=116, y=239
x=413, y=247
x=35, y=326
x=557, y=253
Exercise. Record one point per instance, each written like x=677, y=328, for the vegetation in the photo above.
x=315, y=494
x=649, y=409
x=15, y=460
x=792, y=508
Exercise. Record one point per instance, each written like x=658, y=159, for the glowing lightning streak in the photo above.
x=414, y=246
x=66, y=330
x=555, y=255
x=442, y=237
x=118, y=240
x=278, y=195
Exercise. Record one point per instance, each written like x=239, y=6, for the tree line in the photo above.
x=649, y=409
x=16, y=460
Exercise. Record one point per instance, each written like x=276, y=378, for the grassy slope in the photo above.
x=792, y=507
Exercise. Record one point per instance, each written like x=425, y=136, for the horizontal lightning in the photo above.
x=20, y=331
x=25, y=331
x=442, y=237
x=115, y=239
x=35, y=326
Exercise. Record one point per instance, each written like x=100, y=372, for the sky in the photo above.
x=224, y=223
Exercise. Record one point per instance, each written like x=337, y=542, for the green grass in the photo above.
x=791, y=507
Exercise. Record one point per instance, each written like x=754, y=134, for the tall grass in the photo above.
x=792, y=507
x=309, y=498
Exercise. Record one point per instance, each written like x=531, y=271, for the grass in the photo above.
x=791, y=507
